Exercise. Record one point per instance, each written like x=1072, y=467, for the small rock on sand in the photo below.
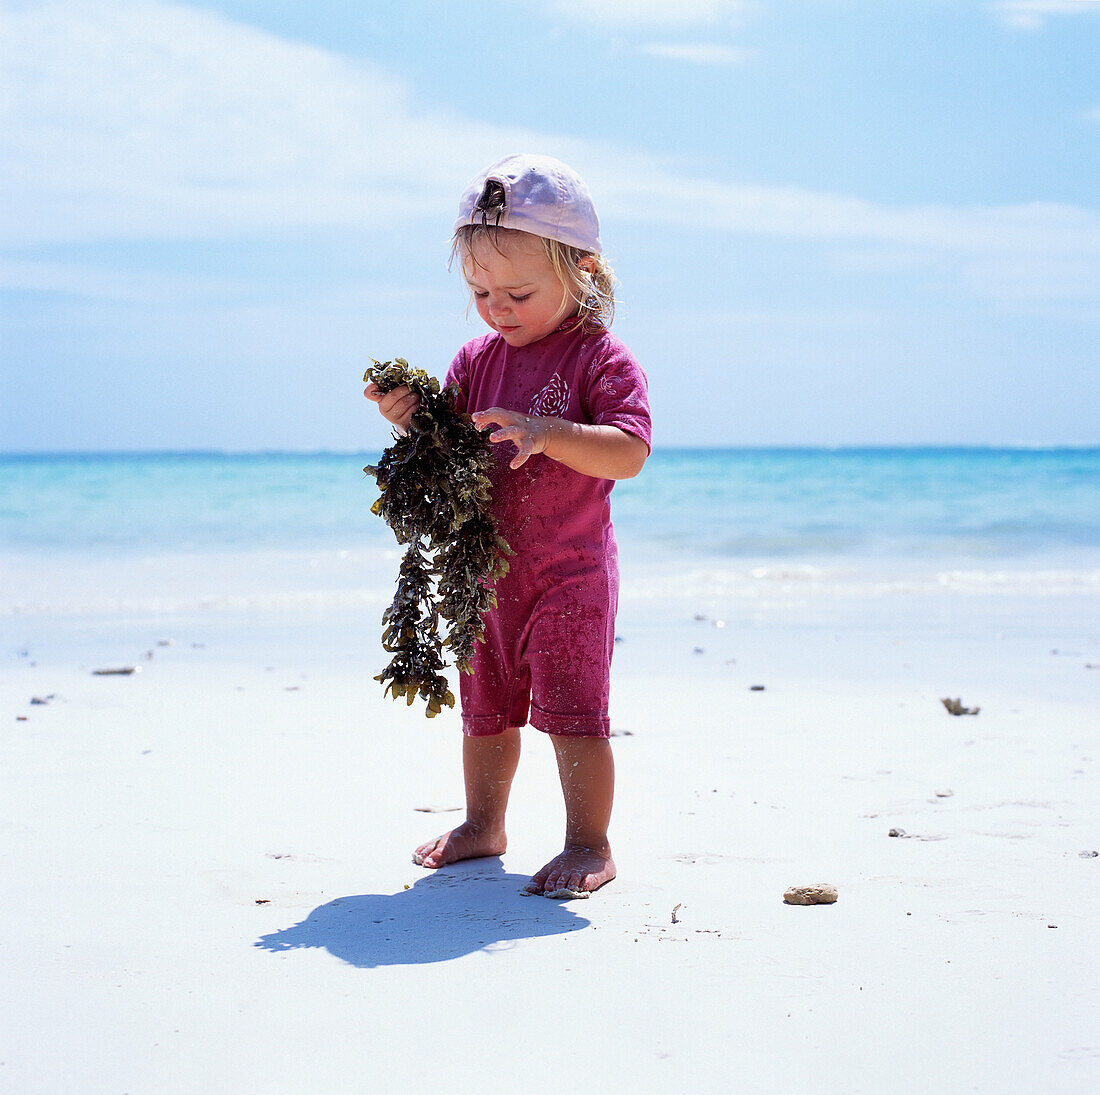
x=913, y=836
x=821, y=894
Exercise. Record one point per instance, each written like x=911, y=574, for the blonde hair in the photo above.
x=586, y=275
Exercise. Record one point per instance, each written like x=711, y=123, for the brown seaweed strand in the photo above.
x=435, y=494
x=411, y=627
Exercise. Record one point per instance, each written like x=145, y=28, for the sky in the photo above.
x=834, y=222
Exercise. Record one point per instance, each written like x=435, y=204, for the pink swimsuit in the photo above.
x=548, y=643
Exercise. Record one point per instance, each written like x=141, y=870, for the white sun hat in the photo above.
x=542, y=196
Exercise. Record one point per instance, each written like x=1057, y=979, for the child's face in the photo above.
x=515, y=288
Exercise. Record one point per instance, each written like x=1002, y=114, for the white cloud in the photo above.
x=1063, y=279
x=96, y=283
x=651, y=13
x=697, y=53
x=1033, y=14
x=794, y=212
x=136, y=119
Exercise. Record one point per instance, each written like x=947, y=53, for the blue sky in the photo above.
x=835, y=221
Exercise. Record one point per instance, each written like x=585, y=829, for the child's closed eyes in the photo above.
x=481, y=295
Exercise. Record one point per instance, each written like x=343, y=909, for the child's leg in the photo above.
x=587, y=771
x=488, y=765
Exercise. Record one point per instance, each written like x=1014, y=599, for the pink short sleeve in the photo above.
x=617, y=393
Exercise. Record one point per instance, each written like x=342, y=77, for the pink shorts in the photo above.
x=546, y=658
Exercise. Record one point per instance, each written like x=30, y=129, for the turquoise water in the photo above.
x=965, y=504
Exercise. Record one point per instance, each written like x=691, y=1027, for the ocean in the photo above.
x=69, y=521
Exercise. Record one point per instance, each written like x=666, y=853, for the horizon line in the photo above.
x=1011, y=446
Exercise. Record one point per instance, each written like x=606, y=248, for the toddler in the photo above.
x=569, y=410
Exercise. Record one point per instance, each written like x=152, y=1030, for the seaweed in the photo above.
x=435, y=494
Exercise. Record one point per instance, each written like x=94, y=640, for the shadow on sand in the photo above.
x=454, y=911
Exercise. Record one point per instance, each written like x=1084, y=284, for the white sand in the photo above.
x=207, y=886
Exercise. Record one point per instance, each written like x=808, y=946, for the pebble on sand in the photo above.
x=821, y=894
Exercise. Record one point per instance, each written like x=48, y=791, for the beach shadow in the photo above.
x=453, y=911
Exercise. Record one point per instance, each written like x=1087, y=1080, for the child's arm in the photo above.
x=397, y=406
x=605, y=452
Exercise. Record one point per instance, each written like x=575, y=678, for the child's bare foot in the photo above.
x=465, y=841
x=577, y=872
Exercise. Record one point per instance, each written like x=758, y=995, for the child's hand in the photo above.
x=397, y=406
x=529, y=433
